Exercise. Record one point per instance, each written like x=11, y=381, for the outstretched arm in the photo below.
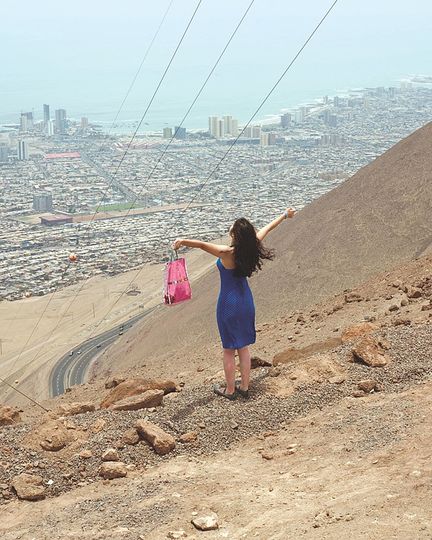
x=262, y=233
x=214, y=249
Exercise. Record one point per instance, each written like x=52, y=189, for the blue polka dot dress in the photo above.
x=235, y=311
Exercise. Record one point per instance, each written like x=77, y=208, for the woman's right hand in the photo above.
x=177, y=244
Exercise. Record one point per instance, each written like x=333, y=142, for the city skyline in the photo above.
x=388, y=45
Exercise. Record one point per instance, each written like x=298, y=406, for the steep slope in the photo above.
x=375, y=220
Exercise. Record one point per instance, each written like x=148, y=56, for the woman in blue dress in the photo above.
x=235, y=308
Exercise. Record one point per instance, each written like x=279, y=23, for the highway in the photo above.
x=71, y=368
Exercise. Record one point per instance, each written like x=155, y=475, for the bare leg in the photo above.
x=245, y=367
x=229, y=368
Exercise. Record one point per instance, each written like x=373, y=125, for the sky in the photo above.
x=82, y=55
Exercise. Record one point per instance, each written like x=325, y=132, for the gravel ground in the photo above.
x=221, y=423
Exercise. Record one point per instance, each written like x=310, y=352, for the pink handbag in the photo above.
x=176, y=282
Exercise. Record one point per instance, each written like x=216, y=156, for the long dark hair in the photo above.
x=249, y=251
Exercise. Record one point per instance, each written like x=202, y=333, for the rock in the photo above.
x=353, y=297
x=274, y=371
x=112, y=469
x=400, y=322
x=98, y=426
x=54, y=440
x=133, y=387
x=257, y=362
x=28, y=487
x=189, y=437
x=397, y=284
x=404, y=301
x=110, y=454
x=113, y=382
x=176, y=534
x=85, y=454
x=150, y=398
x=358, y=393
x=393, y=307
x=368, y=350
x=384, y=343
x=267, y=455
x=206, y=522
x=9, y=415
x=413, y=292
x=369, y=385
x=351, y=333
x=161, y=442
x=130, y=437
x=70, y=409
x=426, y=307
x=337, y=379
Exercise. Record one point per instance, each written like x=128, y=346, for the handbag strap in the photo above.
x=173, y=255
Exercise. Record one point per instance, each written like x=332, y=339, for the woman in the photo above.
x=235, y=307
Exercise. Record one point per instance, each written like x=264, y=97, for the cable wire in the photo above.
x=214, y=170
x=116, y=171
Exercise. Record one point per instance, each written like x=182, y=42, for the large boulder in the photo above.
x=9, y=415
x=133, y=387
x=28, y=487
x=356, y=331
x=161, y=441
x=369, y=351
x=52, y=436
x=71, y=409
x=151, y=398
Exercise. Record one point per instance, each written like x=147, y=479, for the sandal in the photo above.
x=243, y=393
x=222, y=392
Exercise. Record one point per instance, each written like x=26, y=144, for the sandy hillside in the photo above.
x=78, y=316
x=310, y=455
x=372, y=222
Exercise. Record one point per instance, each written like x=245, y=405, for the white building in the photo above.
x=23, y=152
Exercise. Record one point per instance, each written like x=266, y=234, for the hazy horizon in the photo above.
x=84, y=59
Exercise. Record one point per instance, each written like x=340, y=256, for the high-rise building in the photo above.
x=60, y=121
x=26, y=121
x=256, y=132
x=264, y=139
x=42, y=202
x=84, y=122
x=23, y=152
x=46, y=111
x=167, y=133
x=180, y=133
x=267, y=139
x=4, y=153
x=214, y=128
x=286, y=120
x=221, y=127
x=299, y=115
x=234, y=127
x=49, y=128
x=228, y=125
x=248, y=132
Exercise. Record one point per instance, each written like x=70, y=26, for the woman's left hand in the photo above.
x=177, y=244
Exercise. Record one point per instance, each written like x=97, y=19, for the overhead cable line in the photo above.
x=132, y=84
x=165, y=149
x=116, y=171
x=214, y=170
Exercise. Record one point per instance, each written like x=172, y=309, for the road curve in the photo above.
x=72, y=367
